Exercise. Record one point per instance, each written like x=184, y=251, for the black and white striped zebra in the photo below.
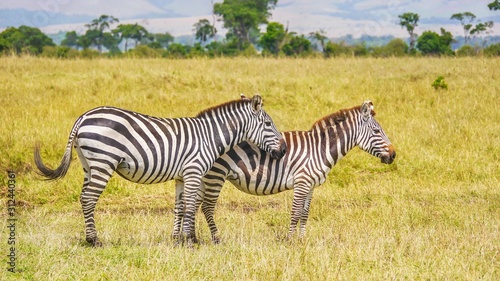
x=311, y=155
x=146, y=149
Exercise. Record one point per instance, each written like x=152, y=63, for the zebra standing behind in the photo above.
x=310, y=157
x=146, y=149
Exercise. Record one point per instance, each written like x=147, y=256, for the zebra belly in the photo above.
x=141, y=172
x=263, y=180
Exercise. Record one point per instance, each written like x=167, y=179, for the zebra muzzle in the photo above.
x=389, y=158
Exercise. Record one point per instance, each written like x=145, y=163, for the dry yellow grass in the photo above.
x=433, y=214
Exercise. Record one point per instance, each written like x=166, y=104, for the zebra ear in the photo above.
x=243, y=97
x=367, y=108
x=257, y=103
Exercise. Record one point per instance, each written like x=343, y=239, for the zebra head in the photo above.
x=371, y=137
x=262, y=131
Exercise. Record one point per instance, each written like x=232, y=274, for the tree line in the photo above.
x=243, y=38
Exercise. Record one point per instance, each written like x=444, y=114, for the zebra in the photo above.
x=146, y=149
x=311, y=155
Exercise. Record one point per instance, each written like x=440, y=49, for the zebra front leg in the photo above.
x=208, y=207
x=299, y=197
x=192, y=190
x=178, y=210
x=93, y=186
x=305, y=214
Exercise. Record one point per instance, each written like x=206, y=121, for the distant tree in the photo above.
x=319, y=36
x=138, y=33
x=110, y=42
x=337, y=49
x=125, y=32
x=164, y=39
x=204, y=30
x=97, y=29
x=298, y=45
x=482, y=28
x=494, y=6
x=92, y=38
x=24, y=39
x=410, y=21
x=4, y=45
x=466, y=20
x=241, y=16
x=272, y=40
x=395, y=48
x=445, y=40
x=84, y=41
x=177, y=50
x=431, y=43
x=71, y=39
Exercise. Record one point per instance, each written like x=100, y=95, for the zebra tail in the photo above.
x=60, y=171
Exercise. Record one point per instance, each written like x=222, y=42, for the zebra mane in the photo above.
x=336, y=118
x=204, y=112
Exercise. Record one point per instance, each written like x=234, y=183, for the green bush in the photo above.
x=466, y=51
x=395, y=48
x=492, y=50
x=337, y=50
x=143, y=51
x=56, y=52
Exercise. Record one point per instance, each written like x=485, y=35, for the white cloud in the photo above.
x=337, y=18
x=117, y=8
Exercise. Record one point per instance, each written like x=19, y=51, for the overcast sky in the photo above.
x=336, y=17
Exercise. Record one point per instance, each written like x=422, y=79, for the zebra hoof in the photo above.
x=96, y=243
x=194, y=240
x=216, y=240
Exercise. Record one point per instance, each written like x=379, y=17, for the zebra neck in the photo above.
x=227, y=131
x=336, y=139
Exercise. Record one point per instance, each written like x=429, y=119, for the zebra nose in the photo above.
x=392, y=152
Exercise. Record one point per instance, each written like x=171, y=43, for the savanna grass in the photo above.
x=433, y=214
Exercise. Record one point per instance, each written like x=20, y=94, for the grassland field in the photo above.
x=434, y=214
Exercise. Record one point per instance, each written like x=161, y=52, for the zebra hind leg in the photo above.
x=95, y=181
x=192, y=191
x=179, y=213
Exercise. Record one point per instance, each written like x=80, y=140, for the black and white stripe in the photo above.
x=310, y=157
x=146, y=149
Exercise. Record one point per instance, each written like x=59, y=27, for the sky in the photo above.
x=336, y=17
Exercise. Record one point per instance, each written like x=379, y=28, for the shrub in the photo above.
x=143, y=51
x=395, y=48
x=439, y=83
x=492, y=50
x=466, y=51
x=55, y=52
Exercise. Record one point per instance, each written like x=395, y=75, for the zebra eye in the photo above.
x=267, y=123
x=376, y=131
